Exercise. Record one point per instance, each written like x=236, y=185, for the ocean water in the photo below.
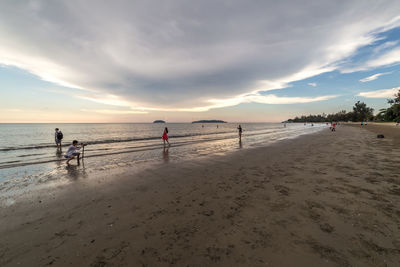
x=28, y=151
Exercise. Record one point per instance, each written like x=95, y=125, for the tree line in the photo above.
x=361, y=112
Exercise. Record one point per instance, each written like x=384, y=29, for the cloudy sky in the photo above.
x=137, y=61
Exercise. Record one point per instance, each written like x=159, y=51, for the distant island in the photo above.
x=209, y=121
x=158, y=121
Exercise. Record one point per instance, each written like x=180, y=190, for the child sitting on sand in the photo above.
x=71, y=153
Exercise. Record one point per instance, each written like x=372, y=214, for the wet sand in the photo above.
x=326, y=199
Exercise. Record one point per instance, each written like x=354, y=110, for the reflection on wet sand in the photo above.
x=76, y=171
x=165, y=155
x=59, y=156
x=240, y=144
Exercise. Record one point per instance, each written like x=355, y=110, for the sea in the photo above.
x=28, y=153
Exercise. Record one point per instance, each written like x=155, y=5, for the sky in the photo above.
x=179, y=61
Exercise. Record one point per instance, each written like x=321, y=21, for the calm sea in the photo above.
x=28, y=152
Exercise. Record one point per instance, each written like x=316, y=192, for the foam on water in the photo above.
x=28, y=152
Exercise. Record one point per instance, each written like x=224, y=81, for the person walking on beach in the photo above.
x=165, y=136
x=72, y=152
x=240, y=132
x=58, y=136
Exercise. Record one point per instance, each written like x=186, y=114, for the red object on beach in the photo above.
x=165, y=136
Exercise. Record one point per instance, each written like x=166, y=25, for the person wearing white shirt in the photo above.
x=72, y=152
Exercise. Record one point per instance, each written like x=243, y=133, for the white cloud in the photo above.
x=385, y=46
x=179, y=55
x=273, y=99
x=373, y=77
x=112, y=100
x=383, y=93
x=312, y=84
x=12, y=110
x=114, y=112
x=269, y=99
x=388, y=58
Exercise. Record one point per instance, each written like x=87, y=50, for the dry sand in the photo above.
x=327, y=199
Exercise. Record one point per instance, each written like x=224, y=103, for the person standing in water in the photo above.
x=240, y=132
x=58, y=136
x=165, y=136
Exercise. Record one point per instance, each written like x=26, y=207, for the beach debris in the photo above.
x=380, y=136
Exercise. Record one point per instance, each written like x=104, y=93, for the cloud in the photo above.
x=108, y=99
x=388, y=58
x=12, y=110
x=268, y=99
x=114, y=112
x=385, y=46
x=273, y=99
x=373, y=77
x=383, y=93
x=312, y=84
x=176, y=55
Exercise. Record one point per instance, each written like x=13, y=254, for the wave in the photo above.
x=94, y=151
x=98, y=152
x=110, y=141
x=12, y=164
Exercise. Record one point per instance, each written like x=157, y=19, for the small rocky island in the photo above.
x=209, y=121
x=158, y=121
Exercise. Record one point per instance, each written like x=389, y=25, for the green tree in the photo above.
x=361, y=112
x=393, y=112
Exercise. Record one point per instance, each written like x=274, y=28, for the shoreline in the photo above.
x=324, y=199
x=28, y=175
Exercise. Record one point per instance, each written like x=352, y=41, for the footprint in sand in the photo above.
x=282, y=189
x=326, y=228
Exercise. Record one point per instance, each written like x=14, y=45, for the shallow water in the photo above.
x=28, y=152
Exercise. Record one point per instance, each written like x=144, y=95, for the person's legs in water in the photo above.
x=69, y=159
x=76, y=154
x=58, y=143
x=164, y=139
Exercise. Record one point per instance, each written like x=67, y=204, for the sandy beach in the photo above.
x=324, y=199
